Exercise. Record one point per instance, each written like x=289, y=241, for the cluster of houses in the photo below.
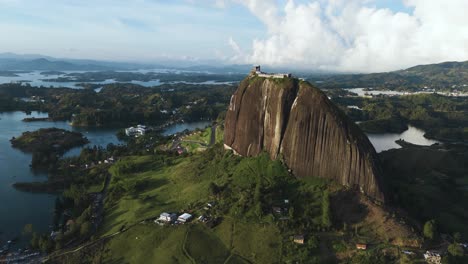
x=110, y=160
x=166, y=218
x=172, y=218
x=137, y=131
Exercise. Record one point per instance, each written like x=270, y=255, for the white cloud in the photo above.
x=353, y=35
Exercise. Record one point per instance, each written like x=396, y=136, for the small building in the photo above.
x=167, y=217
x=299, y=239
x=140, y=130
x=257, y=70
x=54, y=234
x=361, y=246
x=277, y=210
x=184, y=218
x=433, y=257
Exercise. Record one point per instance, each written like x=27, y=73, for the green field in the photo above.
x=244, y=190
x=197, y=141
x=203, y=136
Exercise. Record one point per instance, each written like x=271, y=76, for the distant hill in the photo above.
x=43, y=64
x=446, y=75
x=30, y=62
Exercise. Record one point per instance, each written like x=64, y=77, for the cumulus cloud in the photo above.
x=354, y=35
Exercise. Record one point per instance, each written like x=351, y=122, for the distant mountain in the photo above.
x=28, y=62
x=437, y=76
x=14, y=56
x=46, y=65
x=43, y=64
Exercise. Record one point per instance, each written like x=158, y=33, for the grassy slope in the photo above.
x=174, y=188
x=176, y=184
x=203, y=137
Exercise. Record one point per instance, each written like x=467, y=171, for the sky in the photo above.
x=337, y=35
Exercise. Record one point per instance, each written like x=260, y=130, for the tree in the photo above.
x=85, y=228
x=405, y=259
x=28, y=229
x=35, y=240
x=291, y=213
x=213, y=188
x=430, y=229
x=45, y=244
x=457, y=237
x=258, y=190
x=455, y=250
x=326, y=216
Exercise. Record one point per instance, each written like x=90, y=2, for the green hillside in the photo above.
x=447, y=76
x=244, y=191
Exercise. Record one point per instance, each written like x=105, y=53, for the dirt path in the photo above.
x=213, y=134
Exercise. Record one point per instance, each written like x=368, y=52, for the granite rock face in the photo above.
x=292, y=120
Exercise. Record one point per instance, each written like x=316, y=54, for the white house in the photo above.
x=184, y=218
x=140, y=130
x=167, y=217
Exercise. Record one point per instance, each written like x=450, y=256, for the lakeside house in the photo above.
x=140, y=130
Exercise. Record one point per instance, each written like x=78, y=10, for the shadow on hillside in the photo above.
x=346, y=208
x=112, y=218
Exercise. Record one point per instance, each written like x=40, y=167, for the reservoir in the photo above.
x=21, y=208
x=175, y=128
x=36, y=78
x=386, y=141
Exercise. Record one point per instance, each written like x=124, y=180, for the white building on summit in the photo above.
x=257, y=70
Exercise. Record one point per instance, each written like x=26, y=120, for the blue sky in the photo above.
x=124, y=30
x=334, y=34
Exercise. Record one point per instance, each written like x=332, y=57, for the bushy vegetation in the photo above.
x=120, y=104
x=430, y=183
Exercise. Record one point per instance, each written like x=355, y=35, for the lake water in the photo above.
x=172, y=129
x=20, y=208
x=363, y=92
x=386, y=141
x=35, y=78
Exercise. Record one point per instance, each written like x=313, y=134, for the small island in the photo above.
x=48, y=144
x=46, y=73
